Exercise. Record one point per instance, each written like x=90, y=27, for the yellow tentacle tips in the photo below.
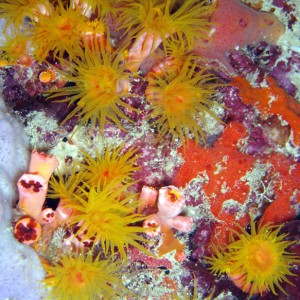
x=256, y=261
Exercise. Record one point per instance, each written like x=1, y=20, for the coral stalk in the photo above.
x=170, y=204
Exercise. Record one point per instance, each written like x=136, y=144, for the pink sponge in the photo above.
x=237, y=25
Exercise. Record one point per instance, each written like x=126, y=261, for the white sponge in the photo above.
x=20, y=269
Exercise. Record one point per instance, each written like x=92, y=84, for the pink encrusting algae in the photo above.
x=166, y=146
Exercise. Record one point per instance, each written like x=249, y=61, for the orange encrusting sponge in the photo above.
x=283, y=208
x=226, y=166
x=271, y=100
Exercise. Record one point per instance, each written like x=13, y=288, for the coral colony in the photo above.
x=165, y=147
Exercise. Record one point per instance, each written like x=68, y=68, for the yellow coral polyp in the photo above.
x=169, y=19
x=59, y=32
x=95, y=32
x=15, y=48
x=107, y=217
x=260, y=256
x=110, y=166
x=104, y=8
x=180, y=98
x=97, y=89
x=64, y=187
x=15, y=11
x=257, y=261
x=82, y=277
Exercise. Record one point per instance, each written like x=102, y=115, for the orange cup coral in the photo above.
x=82, y=277
x=181, y=98
x=257, y=261
x=100, y=83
